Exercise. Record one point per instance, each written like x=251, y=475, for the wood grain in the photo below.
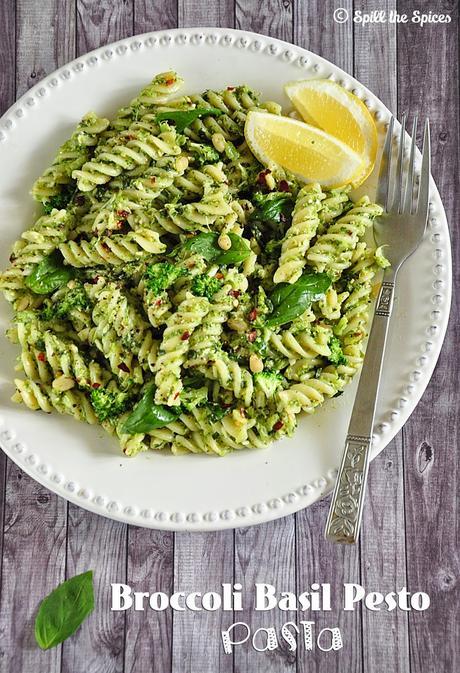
x=202, y=562
x=431, y=435
x=150, y=567
x=322, y=562
x=33, y=564
x=102, y=21
x=98, y=544
x=198, y=13
x=275, y=20
x=315, y=29
x=265, y=554
x=157, y=15
x=385, y=634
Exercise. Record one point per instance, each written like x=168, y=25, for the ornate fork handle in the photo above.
x=345, y=513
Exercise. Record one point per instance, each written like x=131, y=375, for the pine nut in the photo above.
x=224, y=242
x=270, y=181
x=181, y=164
x=255, y=364
x=218, y=141
x=63, y=383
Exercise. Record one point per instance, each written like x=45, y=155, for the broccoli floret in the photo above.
x=109, y=404
x=204, y=154
x=59, y=201
x=268, y=382
x=75, y=299
x=336, y=357
x=161, y=276
x=205, y=286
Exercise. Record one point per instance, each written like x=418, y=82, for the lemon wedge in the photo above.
x=308, y=152
x=335, y=110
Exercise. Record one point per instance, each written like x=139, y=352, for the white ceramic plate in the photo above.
x=200, y=492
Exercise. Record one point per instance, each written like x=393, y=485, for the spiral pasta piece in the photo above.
x=174, y=347
x=305, y=222
x=116, y=249
x=70, y=157
x=334, y=249
x=39, y=396
x=124, y=152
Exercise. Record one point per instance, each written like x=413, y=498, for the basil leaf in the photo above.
x=206, y=245
x=183, y=118
x=270, y=207
x=63, y=610
x=147, y=415
x=49, y=274
x=291, y=300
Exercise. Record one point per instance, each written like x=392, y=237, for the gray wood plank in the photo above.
x=150, y=561
x=265, y=554
x=202, y=562
x=430, y=55
x=315, y=29
x=150, y=567
x=45, y=39
x=275, y=20
x=98, y=544
x=94, y=542
x=198, y=13
x=34, y=518
x=33, y=564
x=320, y=561
x=100, y=22
x=158, y=15
x=7, y=95
x=385, y=634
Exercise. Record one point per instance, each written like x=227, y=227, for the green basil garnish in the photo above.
x=49, y=274
x=147, y=415
x=183, y=118
x=206, y=245
x=63, y=610
x=270, y=207
x=291, y=300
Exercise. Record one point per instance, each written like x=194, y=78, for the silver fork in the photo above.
x=401, y=228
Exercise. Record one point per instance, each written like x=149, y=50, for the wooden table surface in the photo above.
x=410, y=529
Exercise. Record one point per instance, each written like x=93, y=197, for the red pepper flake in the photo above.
x=105, y=246
x=41, y=357
x=219, y=275
x=176, y=395
x=231, y=88
x=130, y=136
x=252, y=315
x=95, y=385
x=185, y=336
x=170, y=81
x=234, y=293
x=261, y=177
x=158, y=302
x=283, y=186
x=278, y=425
x=122, y=213
x=252, y=336
x=94, y=280
x=226, y=405
x=124, y=368
x=153, y=180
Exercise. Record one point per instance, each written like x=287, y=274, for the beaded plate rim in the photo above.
x=306, y=494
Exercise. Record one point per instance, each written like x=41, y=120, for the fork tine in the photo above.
x=396, y=207
x=424, y=188
x=408, y=198
x=385, y=168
